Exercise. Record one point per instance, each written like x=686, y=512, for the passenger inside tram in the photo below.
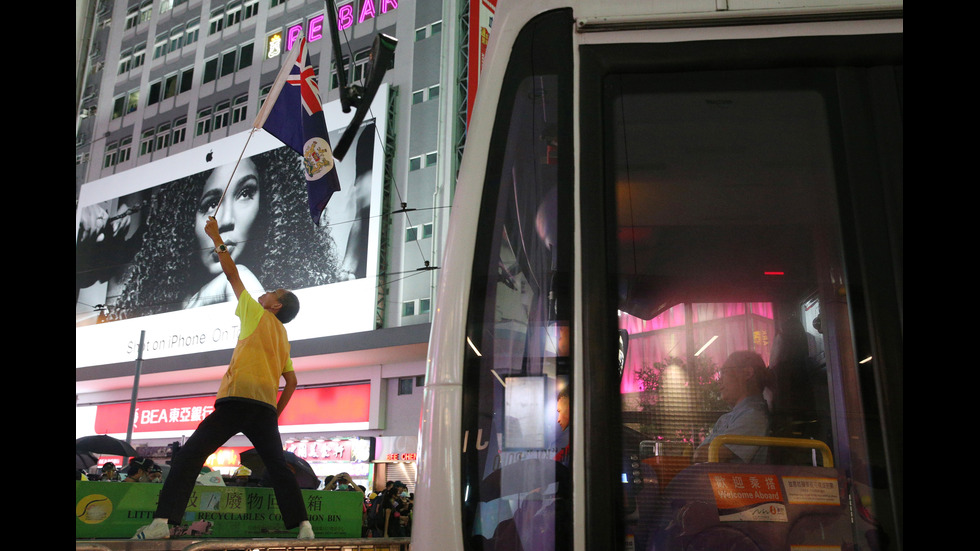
x=743, y=378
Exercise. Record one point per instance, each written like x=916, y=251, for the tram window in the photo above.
x=727, y=241
x=516, y=471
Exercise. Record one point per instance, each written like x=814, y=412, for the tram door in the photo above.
x=712, y=203
x=728, y=244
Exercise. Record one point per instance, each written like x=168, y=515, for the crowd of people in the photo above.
x=384, y=514
x=140, y=469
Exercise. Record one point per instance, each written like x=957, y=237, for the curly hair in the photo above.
x=288, y=252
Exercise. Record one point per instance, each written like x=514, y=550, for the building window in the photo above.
x=160, y=45
x=203, y=121
x=176, y=38
x=163, y=136
x=245, y=56
x=125, y=60
x=118, y=106
x=191, y=31
x=415, y=233
x=146, y=10
x=228, y=62
x=132, y=17
x=334, y=79
x=111, y=155
x=251, y=8
x=429, y=30
x=425, y=94
x=233, y=14
x=180, y=131
x=361, y=60
x=132, y=101
x=416, y=307
x=217, y=21
x=125, y=148
x=240, y=109
x=170, y=85
x=422, y=161
x=139, y=55
x=186, y=80
x=146, y=143
x=405, y=385
x=153, y=94
x=210, y=70
x=264, y=93
x=222, y=114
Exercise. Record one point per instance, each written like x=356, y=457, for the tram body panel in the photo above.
x=528, y=498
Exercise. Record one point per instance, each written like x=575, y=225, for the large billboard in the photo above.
x=144, y=267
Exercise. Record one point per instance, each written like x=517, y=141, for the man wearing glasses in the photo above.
x=744, y=376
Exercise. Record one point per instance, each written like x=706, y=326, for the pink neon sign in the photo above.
x=345, y=19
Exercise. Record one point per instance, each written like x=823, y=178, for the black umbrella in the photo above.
x=104, y=444
x=84, y=460
x=305, y=476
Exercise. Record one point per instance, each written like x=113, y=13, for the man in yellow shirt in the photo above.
x=246, y=403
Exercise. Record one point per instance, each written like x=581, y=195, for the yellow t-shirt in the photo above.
x=260, y=357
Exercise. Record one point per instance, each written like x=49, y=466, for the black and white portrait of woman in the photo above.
x=264, y=219
x=159, y=259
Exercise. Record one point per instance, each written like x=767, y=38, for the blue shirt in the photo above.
x=749, y=417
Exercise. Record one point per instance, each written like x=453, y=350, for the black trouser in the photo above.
x=260, y=424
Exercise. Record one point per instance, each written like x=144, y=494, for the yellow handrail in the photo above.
x=718, y=441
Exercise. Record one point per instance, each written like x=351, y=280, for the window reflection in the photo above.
x=517, y=448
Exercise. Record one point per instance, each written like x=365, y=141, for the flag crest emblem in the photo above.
x=293, y=113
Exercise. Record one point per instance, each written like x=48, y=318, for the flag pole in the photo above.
x=261, y=116
x=232, y=176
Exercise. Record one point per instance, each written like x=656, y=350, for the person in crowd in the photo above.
x=271, y=238
x=743, y=378
x=246, y=403
x=109, y=473
x=341, y=482
x=563, y=443
x=385, y=518
x=139, y=470
x=156, y=474
x=406, y=504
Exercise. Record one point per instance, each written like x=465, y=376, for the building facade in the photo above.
x=166, y=94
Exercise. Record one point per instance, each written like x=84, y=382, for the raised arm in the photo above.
x=224, y=257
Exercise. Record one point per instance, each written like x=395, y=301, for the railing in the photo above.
x=828, y=456
x=258, y=544
x=359, y=544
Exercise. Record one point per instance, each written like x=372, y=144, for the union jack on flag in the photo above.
x=293, y=113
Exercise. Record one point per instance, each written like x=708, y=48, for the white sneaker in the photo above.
x=153, y=531
x=305, y=531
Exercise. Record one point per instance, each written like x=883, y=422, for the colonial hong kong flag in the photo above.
x=293, y=113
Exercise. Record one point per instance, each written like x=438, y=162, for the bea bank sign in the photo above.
x=347, y=15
